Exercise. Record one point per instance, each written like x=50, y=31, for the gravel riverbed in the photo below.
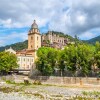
x=47, y=92
x=16, y=96
x=43, y=92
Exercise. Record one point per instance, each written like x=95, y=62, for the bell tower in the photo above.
x=34, y=37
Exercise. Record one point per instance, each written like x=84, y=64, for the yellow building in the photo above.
x=34, y=39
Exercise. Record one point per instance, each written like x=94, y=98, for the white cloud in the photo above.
x=12, y=38
x=90, y=34
x=87, y=35
x=69, y=16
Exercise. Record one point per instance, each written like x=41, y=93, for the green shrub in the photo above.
x=10, y=82
x=26, y=82
x=37, y=82
x=3, y=78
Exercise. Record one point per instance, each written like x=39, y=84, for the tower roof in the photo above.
x=34, y=25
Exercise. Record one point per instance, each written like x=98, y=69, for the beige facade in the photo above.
x=25, y=62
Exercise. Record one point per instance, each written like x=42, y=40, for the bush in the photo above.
x=10, y=82
x=37, y=82
x=26, y=82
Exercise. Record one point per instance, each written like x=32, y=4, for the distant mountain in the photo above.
x=24, y=45
x=93, y=40
x=16, y=46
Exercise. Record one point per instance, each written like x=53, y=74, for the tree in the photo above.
x=85, y=54
x=97, y=46
x=60, y=61
x=97, y=54
x=74, y=58
x=8, y=61
x=97, y=59
x=46, y=60
x=70, y=58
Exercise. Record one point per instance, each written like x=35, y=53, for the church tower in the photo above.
x=34, y=39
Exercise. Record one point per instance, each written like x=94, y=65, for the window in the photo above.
x=37, y=38
x=31, y=38
x=24, y=59
x=18, y=59
x=32, y=60
x=28, y=59
x=31, y=46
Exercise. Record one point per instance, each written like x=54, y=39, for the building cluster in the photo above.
x=54, y=40
x=27, y=56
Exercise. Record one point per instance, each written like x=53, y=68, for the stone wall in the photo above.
x=67, y=80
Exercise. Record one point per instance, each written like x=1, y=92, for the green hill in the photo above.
x=93, y=40
x=16, y=46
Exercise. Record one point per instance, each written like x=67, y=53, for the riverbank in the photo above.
x=47, y=92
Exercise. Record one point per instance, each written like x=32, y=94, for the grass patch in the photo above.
x=82, y=98
x=39, y=95
x=37, y=82
x=8, y=89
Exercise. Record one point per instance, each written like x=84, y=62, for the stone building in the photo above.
x=54, y=40
x=27, y=57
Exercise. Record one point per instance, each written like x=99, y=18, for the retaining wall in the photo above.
x=67, y=80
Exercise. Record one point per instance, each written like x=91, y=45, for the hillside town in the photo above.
x=50, y=50
x=27, y=57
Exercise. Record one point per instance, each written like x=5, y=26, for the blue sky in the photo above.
x=73, y=17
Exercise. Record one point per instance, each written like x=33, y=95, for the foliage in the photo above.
x=71, y=57
x=16, y=46
x=37, y=82
x=26, y=82
x=10, y=82
x=80, y=57
x=97, y=59
x=93, y=40
x=85, y=53
x=97, y=55
x=8, y=61
x=46, y=60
